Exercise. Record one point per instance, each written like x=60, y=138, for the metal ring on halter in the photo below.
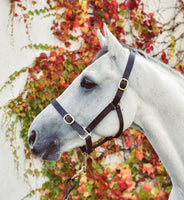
x=85, y=136
x=121, y=88
x=71, y=117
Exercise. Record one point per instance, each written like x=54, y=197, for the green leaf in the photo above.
x=65, y=74
x=144, y=29
x=11, y=77
x=37, y=12
x=143, y=194
x=134, y=170
x=155, y=190
x=122, y=13
x=73, y=38
x=168, y=189
x=100, y=14
x=66, y=63
x=56, y=191
x=71, y=67
x=37, y=173
x=83, y=66
x=132, y=158
x=29, y=171
x=52, y=164
x=30, y=12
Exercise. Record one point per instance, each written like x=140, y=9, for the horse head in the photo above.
x=84, y=99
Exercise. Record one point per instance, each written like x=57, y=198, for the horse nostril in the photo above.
x=32, y=138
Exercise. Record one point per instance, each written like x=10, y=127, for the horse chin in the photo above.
x=49, y=152
x=49, y=156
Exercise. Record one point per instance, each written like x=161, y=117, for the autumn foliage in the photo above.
x=138, y=176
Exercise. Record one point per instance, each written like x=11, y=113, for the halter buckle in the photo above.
x=87, y=134
x=123, y=88
x=69, y=122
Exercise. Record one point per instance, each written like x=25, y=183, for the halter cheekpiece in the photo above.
x=85, y=133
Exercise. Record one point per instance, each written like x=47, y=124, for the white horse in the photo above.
x=153, y=103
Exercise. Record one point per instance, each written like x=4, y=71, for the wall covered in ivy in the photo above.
x=44, y=46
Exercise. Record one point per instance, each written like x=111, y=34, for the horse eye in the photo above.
x=87, y=83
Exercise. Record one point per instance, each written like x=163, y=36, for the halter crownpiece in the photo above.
x=85, y=133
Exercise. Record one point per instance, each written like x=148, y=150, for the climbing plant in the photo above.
x=141, y=175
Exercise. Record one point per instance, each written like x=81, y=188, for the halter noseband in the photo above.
x=85, y=133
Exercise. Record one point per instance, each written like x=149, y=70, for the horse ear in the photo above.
x=101, y=38
x=113, y=44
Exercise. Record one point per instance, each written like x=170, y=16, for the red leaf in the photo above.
x=126, y=132
x=128, y=143
x=147, y=50
x=30, y=97
x=163, y=56
x=162, y=196
x=151, y=14
x=148, y=168
x=151, y=48
x=67, y=44
x=139, y=155
x=179, y=68
x=142, y=179
x=42, y=56
x=148, y=187
x=106, y=15
x=122, y=185
x=82, y=189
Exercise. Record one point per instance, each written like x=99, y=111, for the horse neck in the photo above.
x=160, y=113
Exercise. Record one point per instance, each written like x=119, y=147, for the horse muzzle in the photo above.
x=47, y=150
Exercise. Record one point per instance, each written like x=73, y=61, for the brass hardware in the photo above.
x=76, y=176
x=68, y=123
x=119, y=86
x=87, y=134
x=83, y=167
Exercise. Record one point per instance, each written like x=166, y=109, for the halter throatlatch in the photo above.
x=85, y=133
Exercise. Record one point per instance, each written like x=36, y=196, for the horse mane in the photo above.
x=104, y=50
x=154, y=60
